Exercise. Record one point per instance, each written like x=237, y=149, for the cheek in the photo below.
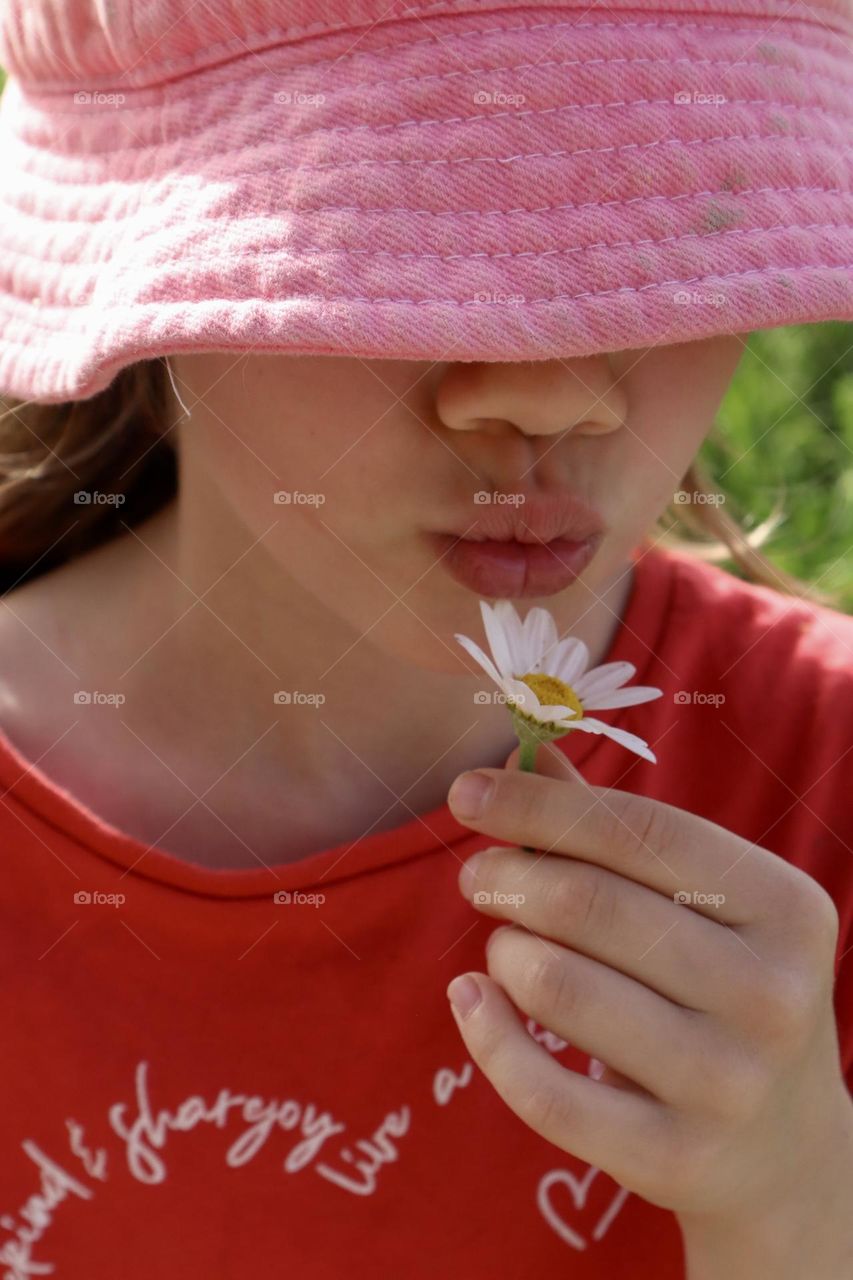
x=657, y=456
x=284, y=470
x=327, y=505
x=675, y=393
x=636, y=474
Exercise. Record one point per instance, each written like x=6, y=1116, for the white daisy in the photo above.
x=546, y=682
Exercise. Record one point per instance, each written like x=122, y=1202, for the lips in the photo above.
x=530, y=518
x=519, y=545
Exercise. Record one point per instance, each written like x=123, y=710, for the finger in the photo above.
x=676, y=953
x=656, y=844
x=548, y=760
x=622, y=1023
x=551, y=761
x=603, y=1126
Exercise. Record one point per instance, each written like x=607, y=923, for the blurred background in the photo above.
x=783, y=447
x=782, y=452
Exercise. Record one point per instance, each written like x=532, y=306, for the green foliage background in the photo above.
x=784, y=436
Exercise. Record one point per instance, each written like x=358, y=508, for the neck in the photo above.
x=211, y=631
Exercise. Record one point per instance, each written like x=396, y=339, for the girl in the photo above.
x=322, y=324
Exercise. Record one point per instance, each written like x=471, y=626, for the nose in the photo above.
x=535, y=397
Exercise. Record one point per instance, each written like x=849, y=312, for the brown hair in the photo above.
x=117, y=442
x=114, y=444
x=700, y=524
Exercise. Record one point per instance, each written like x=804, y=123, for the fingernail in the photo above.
x=464, y=994
x=470, y=794
x=468, y=876
x=596, y=1068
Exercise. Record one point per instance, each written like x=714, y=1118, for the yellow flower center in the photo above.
x=552, y=692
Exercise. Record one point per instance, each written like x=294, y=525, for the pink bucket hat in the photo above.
x=454, y=181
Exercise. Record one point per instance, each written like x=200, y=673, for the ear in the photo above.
x=550, y=761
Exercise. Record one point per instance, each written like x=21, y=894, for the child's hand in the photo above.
x=699, y=969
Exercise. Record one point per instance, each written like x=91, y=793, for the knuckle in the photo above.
x=597, y=903
x=544, y=1108
x=803, y=906
x=785, y=1008
x=639, y=829
x=581, y=901
x=817, y=914
x=560, y=897
x=547, y=988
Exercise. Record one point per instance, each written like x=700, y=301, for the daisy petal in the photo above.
x=604, y=679
x=527, y=700
x=540, y=636
x=522, y=695
x=519, y=695
x=521, y=653
x=477, y=654
x=625, y=739
x=568, y=660
x=497, y=623
x=563, y=715
x=621, y=698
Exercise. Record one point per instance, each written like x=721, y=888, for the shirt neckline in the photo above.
x=645, y=610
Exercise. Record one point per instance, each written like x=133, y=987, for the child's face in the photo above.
x=378, y=456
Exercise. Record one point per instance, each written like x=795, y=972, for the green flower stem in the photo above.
x=528, y=744
x=527, y=754
x=529, y=740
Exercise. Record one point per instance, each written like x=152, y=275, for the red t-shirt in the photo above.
x=202, y=1082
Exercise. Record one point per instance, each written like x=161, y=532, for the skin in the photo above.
x=227, y=597
x=722, y=1097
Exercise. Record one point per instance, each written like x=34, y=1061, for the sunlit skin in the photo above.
x=722, y=1096
x=343, y=598
x=397, y=449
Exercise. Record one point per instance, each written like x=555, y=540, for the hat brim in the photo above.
x=492, y=186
